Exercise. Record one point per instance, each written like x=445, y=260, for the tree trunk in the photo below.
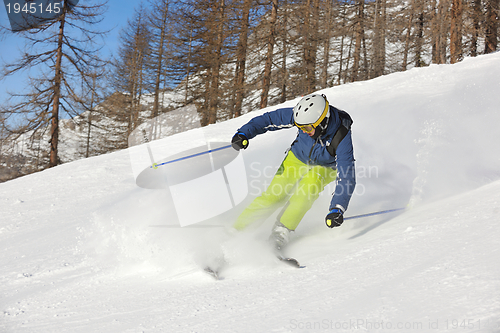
x=343, y=33
x=306, y=27
x=408, y=36
x=349, y=57
x=54, y=122
x=326, y=45
x=492, y=14
x=359, y=40
x=266, y=82
x=215, y=77
x=91, y=109
x=188, y=67
x=365, y=60
x=241, y=60
x=456, y=31
x=311, y=75
x=434, y=31
x=284, y=72
x=442, y=35
x=476, y=18
x=134, y=54
x=379, y=39
x=419, y=36
x=159, y=60
x=310, y=33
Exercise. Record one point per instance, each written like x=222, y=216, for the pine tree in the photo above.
x=207, y=35
x=476, y=29
x=159, y=32
x=241, y=57
x=456, y=31
x=419, y=33
x=326, y=40
x=284, y=37
x=130, y=79
x=64, y=53
x=360, y=32
x=271, y=40
x=379, y=27
x=492, y=15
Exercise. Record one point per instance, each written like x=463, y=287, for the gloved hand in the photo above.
x=334, y=218
x=239, y=141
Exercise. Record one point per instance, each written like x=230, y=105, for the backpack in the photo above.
x=344, y=128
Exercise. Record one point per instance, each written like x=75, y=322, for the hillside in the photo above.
x=84, y=249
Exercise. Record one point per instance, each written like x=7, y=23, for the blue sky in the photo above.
x=115, y=18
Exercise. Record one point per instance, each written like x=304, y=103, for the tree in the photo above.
x=91, y=97
x=130, y=78
x=360, y=32
x=343, y=32
x=408, y=36
x=241, y=57
x=456, y=31
x=419, y=33
x=476, y=19
x=63, y=52
x=440, y=19
x=310, y=47
x=3, y=136
x=159, y=29
x=283, y=36
x=216, y=46
x=271, y=40
x=492, y=14
x=379, y=27
x=186, y=58
x=208, y=35
x=326, y=39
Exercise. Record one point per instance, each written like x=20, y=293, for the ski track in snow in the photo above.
x=83, y=249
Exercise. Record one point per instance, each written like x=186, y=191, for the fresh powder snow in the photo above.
x=84, y=249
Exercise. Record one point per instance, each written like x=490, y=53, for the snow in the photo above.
x=84, y=249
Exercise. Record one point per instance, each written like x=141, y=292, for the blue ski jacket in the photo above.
x=313, y=151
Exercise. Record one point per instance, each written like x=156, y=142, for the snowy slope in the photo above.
x=83, y=249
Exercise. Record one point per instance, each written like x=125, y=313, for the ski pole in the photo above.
x=374, y=213
x=155, y=166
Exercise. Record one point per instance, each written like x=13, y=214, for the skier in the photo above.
x=321, y=152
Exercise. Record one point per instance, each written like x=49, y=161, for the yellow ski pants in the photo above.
x=296, y=181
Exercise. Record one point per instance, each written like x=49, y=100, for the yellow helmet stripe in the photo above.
x=323, y=115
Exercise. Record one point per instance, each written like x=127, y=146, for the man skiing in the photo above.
x=321, y=153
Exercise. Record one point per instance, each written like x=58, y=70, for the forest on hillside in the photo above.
x=226, y=57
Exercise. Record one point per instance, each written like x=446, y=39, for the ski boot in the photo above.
x=280, y=236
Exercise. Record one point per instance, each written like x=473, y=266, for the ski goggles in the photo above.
x=306, y=128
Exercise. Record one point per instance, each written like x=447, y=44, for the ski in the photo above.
x=290, y=261
x=212, y=273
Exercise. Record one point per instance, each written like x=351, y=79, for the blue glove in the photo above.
x=334, y=218
x=239, y=141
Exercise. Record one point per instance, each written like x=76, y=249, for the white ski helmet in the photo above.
x=311, y=110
